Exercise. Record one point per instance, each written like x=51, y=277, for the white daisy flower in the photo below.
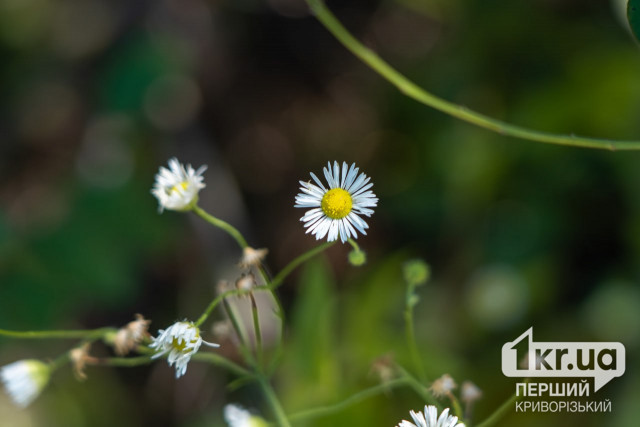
x=181, y=340
x=430, y=419
x=24, y=380
x=336, y=209
x=177, y=189
x=237, y=416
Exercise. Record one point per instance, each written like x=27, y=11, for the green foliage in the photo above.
x=633, y=14
x=311, y=352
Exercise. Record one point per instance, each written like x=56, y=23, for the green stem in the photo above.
x=277, y=281
x=420, y=389
x=221, y=224
x=354, y=244
x=213, y=304
x=127, y=362
x=256, y=330
x=273, y=401
x=349, y=401
x=59, y=334
x=60, y=361
x=281, y=316
x=457, y=409
x=222, y=362
x=240, y=331
x=411, y=336
x=415, y=92
x=501, y=411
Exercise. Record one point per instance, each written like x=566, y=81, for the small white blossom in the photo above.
x=470, y=392
x=443, y=385
x=336, y=209
x=181, y=340
x=177, y=188
x=430, y=419
x=24, y=380
x=237, y=416
x=128, y=337
x=252, y=257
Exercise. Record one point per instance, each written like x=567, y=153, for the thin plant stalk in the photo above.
x=240, y=332
x=277, y=281
x=412, y=90
x=256, y=330
x=216, y=222
x=274, y=403
x=349, y=401
x=501, y=411
x=418, y=387
x=411, y=336
x=58, y=334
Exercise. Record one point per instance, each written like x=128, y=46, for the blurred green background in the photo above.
x=95, y=95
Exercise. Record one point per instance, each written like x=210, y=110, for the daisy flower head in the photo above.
x=430, y=419
x=177, y=188
x=181, y=340
x=24, y=380
x=336, y=209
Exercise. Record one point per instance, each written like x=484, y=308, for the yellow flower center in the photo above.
x=180, y=345
x=336, y=203
x=183, y=185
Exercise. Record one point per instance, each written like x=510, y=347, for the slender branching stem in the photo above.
x=58, y=334
x=274, y=403
x=216, y=222
x=356, y=398
x=412, y=90
x=277, y=281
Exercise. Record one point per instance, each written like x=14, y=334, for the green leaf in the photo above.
x=633, y=14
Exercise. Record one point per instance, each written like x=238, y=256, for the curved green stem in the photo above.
x=214, y=303
x=349, y=401
x=501, y=411
x=127, y=362
x=415, y=92
x=277, y=281
x=420, y=389
x=60, y=361
x=273, y=401
x=233, y=232
x=222, y=362
x=58, y=334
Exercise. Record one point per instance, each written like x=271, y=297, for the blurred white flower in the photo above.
x=252, y=257
x=470, y=392
x=336, y=209
x=430, y=419
x=24, y=380
x=443, y=385
x=236, y=416
x=128, y=337
x=181, y=340
x=177, y=188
